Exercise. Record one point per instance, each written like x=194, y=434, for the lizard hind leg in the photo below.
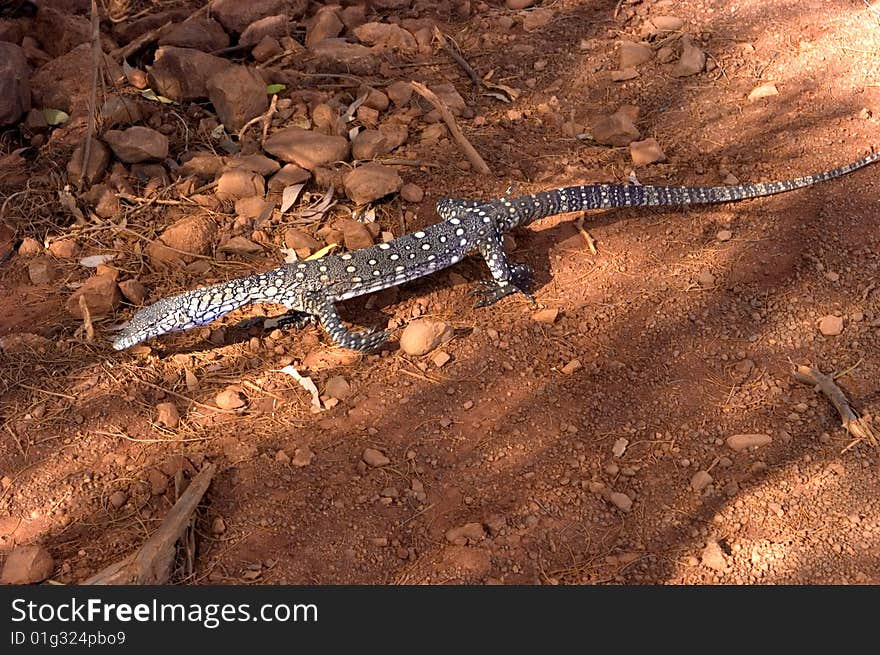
x=507, y=278
x=364, y=341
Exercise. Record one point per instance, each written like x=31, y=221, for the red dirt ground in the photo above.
x=500, y=435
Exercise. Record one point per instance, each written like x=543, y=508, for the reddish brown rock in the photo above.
x=59, y=31
x=617, y=129
x=182, y=73
x=306, y=148
x=137, y=144
x=120, y=109
x=337, y=55
x=424, y=335
x=99, y=159
x=267, y=48
x=239, y=183
x=355, y=234
x=369, y=144
x=325, y=24
x=134, y=291
x=15, y=89
x=646, y=152
x=42, y=270
x=27, y=565
x=692, y=60
x=399, y=92
x=201, y=33
x=386, y=35
x=289, y=175
x=238, y=94
x=236, y=15
x=189, y=236
x=272, y=26
x=371, y=182
x=101, y=295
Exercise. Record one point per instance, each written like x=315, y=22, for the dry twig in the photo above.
x=452, y=49
x=465, y=145
x=852, y=422
x=264, y=118
x=591, y=243
x=93, y=94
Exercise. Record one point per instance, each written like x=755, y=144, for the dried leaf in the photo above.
x=93, y=261
x=323, y=251
x=55, y=116
x=619, y=447
x=289, y=195
x=307, y=384
x=322, y=205
x=149, y=94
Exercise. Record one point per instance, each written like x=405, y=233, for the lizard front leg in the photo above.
x=365, y=340
x=507, y=278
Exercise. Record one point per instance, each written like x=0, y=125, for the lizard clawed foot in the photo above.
x=491, y=292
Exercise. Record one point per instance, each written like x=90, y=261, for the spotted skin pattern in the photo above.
x=311, y=289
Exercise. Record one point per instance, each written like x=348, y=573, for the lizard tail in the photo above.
x=193, y=308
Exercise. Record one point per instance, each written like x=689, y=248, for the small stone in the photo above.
x=27, y=565
x=306, y=148
x=440, y=358
x=632, y=55
x=137, y=144
x=118, y=499
x=337, y=387
x=692, y=60
x=42, y=270
x=230, y=398
x=182, y=73
x=469, y=533
x=763, y=91
x=624, y=75
x=282, y=457
x=724, y=235
x=646, y=152
x=218, y=525
x=701, y=480
x=713, y=557
x=621, y=501
x=424, y=335
x=29, y=247
x=740, y=442
x=239, y=183
x=356, y=235
x=296, y=239
x=516, y=5
x=412, y=192
x=63, y=248
x=375, y=458
x=831, y=326
x=399, y=92
x=618, y=129
x=193, y=235
x=572, y=366
x=370, y=182
x=167, y=415
x=240, y=246
x=158, y=482
x=302, y=456
x=101, y=294
x=705, y=279
x=667, y=23
x=536, y=19
x=547, y=316
x=238, y=94
x=619, y=447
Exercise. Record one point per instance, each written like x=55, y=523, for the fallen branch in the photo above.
x=93, y=96
x=452, y=49
x=265, y=119
x=465, y=145
x=144, y=39
x=852, y=422
x=151, y=564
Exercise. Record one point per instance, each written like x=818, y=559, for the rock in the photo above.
x=235, y=15
x=386, y=35
x=450, y=97
x=318, y=360
x=572, y=366
x=547, y=316
x=375, y=99
x=339, y=55
x=370, y=182
x=763, y=91
x=617, y=129
x=369, y=144
x=424, y=335
x=240, y=246
x=133, y=291
x=325, y=24
x=252, y=208
x=27, y=565
x=701, y=480
x=646, y=152
x=238, y=94
x=724, y=235
x=101, y=294
x=692, y=60
x=399, y=92
x=167, y=415
x=624, y=75
x=158, y=482
x=282, y=458
x=536, y=19
x=188, y=236
x=200, y=33
x=204, y=165
x=296, y=239
x=255, y=163
x=29, y=247
x=440, y=358
x=239, y=183
x=275, y=27
x=516, y=5
x=355, y=234
x=469, y=533
x=63, y=83
x=137, y=144
x=337, y=387
x=621, y=501
x=118, y=499
x=302, y=457
x=667, y=23
x=99, y=159
x=375, y=458
x=831, y=326
x=713, y=557
x=306, y=148
x=59, y=32
x=412, y=192
x=631, y=55
x=63, y=248
x=740, y=442
x=231, y=398
x=15, y=88
x=42, y=270
x=267, y=48
x=705, y=278
x=183, y=73
x=289, y=175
